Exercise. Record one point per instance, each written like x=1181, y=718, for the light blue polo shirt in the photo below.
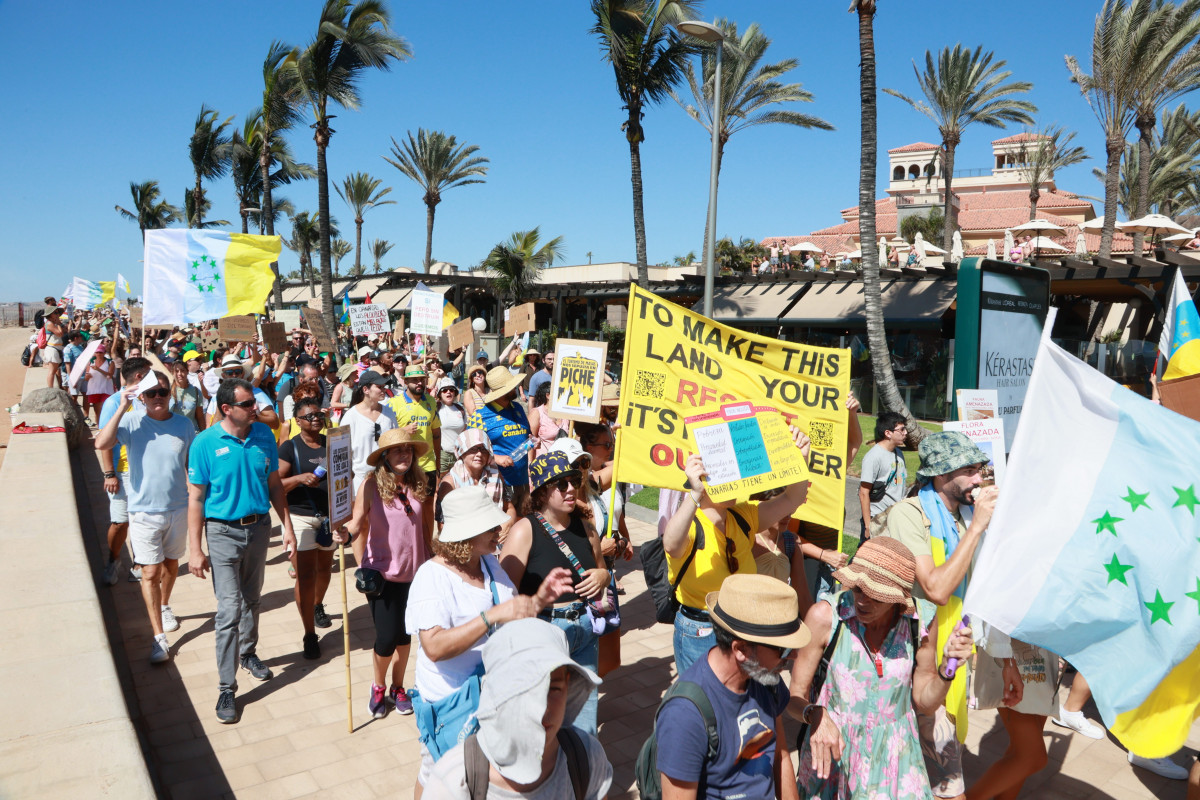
x=235, y=471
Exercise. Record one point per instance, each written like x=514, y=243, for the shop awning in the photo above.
x=906, y=303
x=750, y=305
x=359, y=290
x=398, y=299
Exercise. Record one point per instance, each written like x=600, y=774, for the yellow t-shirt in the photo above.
x=424, y=413
x=709, y=568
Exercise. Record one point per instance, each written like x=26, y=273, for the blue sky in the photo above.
x=110, y=92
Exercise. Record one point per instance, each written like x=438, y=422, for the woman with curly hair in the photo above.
x=394, y=507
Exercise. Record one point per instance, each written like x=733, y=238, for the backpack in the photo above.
x=645, y=770
x=578, y=765
x=41, y=337
x=654, y=567
x=26, y=355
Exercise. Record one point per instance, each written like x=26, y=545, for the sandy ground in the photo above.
x=12, y=378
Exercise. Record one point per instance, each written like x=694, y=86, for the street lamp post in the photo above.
x=712, y=34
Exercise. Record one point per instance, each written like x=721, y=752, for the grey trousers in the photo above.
x=238, y=557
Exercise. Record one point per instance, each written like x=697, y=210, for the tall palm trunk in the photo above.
x=197, y=212
x=949, y=146
x=267, y=215
x=430, y=209
x=307, y=270
x=881, y=361
x=1114, y=147
x=1146, y=136
x=322, y=138
x=639, y=218
x=358, y=221
x=245, y=221
x=1034, y=195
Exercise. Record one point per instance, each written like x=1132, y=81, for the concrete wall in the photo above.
x=66, y=730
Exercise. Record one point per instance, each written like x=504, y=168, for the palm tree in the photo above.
x=360, y=194
x=280, y=111
x=516, y=264
x=436, y=162
x=965, y=87
x=245, y=160
x=881, y=356
x=280, y=207
x=150, y=211
x=1172, y=68
x=350, y=39
x=1044, y=153
x=749, y=89
x=379, y=249
x=1120, y=37
x=197, y=215
x=306, y=234
x=209, y=151
x=339, y=249
x=1174, y=167
x=648, y=58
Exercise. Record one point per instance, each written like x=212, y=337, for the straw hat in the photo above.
x=611, y=395
x=468, y=512
x=501, y=382
x=759, y=608
x=480, y=368
x=395, y=438
x=345, y=370
x=884, y=569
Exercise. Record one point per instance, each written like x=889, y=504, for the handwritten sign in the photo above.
x=238, y=328
x=520, y=319
x=340, y=480
x=427, y=312
x=316, y=324
x=746, y=448
x=577, y=385
x=461, y=334
x=274, y=337
x=398, y=331
x=135, y=316
x=369, y=318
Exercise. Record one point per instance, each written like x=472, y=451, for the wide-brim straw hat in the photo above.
x=467, y=512
x=611, y=396
x=759, y=608
x=395, y=438
x=500, y=382
x=480, y=368
x=883, y=569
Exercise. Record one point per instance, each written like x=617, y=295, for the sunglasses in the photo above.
x=159, y=392
x=782, y=652
x=377, y=431
x=232, y=373
x=245, y=404
x=573, y=481
x=316, y=416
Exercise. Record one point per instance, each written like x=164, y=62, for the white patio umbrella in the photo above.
x=956, y=248
x=991, y=249
x=919, y=245
x=1037, y=226
x=882, y=253
x=1179, y=237
x=1081, y=244
x=806, y=247
x=1094, y=224
x=857, y=254
x=1153, y=224
x=934, y=249
x=1042, y=243
x=1009, y=243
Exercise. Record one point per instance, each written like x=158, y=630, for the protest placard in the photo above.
x=1182, y=395
x=976, y=403
x=398, y=331
x=745, y=444
x=238, y=328
x=426, y=310
x=341, y=487
x=988, y=434
x=316, y=324
x=520, y=319
x=290, y=317
x=679, y=363
x=369, y=318
x=274, y=337
x=461, y=334
x=81, y=363
x=577, y=385
x=135, y=316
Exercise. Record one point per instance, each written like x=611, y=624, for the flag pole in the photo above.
x=346, y=638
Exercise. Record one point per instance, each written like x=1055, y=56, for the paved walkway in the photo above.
x=292, y=740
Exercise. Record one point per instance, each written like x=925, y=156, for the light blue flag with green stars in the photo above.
x=1093, y=552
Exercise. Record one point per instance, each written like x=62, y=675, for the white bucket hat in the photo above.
x=468, y=512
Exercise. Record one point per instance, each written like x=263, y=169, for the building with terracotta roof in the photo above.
x=986, y=202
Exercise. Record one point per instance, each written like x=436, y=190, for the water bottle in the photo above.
x=320, y=470
x=520, y=450
x=951, y=665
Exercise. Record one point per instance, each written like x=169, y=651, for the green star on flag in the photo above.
x=1186, y=497
x=1159, y=609
x=1117, y=570
x=1136, y=500
x=1195, y=595
x=1109, y=522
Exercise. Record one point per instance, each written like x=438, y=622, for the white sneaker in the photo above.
x=1076, y=721
x=135, y=574
x=169, y=622
x=112, y=572
x=1160, y=766
x=160, y=651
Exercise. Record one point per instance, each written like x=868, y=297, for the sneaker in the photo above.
x=320, y=618
x=135, y=574
x=160, y=651
x=169, y=621
x=112, y=572
x=1160, y=766
x=227, y=707
x=1076, y=721
x=400, y=700
x=377, y=705
x=257, y=669
x=312, y=647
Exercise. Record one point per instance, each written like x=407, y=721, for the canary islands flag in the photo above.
x=1180, y=339
x=193, y=275
x=1092, y=552
x=86, y=294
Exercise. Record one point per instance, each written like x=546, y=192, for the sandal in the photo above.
x=292, y=571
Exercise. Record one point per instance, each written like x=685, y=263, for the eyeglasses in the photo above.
x=607, y=444
x=159, y=392
x=782, y=652
x=562, y=483
x=243, y=404
x=316, y=416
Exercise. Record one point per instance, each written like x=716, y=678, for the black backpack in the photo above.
x=26, y=355
x=645, y=770
x=578, y=765
x=654, y=567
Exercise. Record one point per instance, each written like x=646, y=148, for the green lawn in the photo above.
x=911, y=459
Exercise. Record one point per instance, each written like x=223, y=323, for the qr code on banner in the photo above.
x=649, y=384
x=820, y=434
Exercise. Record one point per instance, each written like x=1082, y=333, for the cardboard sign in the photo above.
x=577, y=385
x=1181, y=395
x=746, y=448
x=427, y=312
x=369, y=318
x=316, y=323
x=398, y=331
x=275, y=337
x=240, y=328
x=339, y=480
x=461, y=334
x=615, y=315
x=290, y=318
x=135, y=316
x=520, y=319
x=210, y=339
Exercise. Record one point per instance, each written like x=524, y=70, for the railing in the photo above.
x=981, y=172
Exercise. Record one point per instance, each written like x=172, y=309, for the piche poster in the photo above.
x=679, y=363
x=340, y=483
x=577, y=385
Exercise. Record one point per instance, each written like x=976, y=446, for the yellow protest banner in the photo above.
x=680, y=365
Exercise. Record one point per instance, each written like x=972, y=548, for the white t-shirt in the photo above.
x=363, y=438
x=439, y=598
x=453, y=424
x=448, y=781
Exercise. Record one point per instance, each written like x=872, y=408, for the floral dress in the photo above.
x=882, y=755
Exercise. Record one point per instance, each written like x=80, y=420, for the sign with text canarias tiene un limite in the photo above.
x=680, y=365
